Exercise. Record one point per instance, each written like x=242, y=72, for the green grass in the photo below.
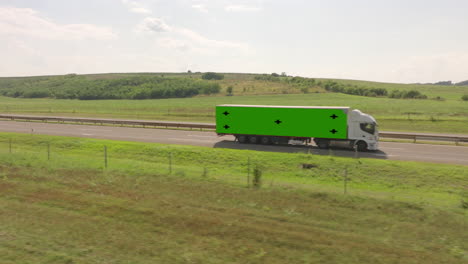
x=425, y=182
x=72, y=210
x=392, y=114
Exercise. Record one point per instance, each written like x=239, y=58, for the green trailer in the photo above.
x=283, y=124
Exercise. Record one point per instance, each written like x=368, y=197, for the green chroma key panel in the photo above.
x=293, y=121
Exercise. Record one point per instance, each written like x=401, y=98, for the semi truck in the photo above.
x=327, y=126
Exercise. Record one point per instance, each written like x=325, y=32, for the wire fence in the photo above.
x=50, y=154
x=247, y=169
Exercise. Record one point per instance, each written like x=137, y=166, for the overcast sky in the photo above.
x=380, y=40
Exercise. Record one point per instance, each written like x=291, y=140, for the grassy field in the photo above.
x=69, y=209
x=440, y=116
x=392, y=114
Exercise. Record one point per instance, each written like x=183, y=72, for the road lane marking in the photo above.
x=393, y=148
x=385, y=155
x=85, y=134
x=200, y=136
x=191, y=140
x=94, y=129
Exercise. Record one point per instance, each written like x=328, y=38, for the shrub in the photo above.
x=229, y=90
x=36, y=94
x=257, y=177
x=210, y=88
x=464, y=204
x=379, y=91
x=465, y=97
x=395, y=94
x=411, y=94
x=212, y=76
x=267, y=77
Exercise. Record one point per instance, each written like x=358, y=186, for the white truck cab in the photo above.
x=362, y=129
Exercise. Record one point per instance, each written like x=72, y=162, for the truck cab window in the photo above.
x=368, y=127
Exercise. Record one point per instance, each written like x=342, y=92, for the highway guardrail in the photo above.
x=168, y=124
x=423, y=136
x=81, y=120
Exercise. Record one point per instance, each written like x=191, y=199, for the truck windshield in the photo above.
x=368, y=127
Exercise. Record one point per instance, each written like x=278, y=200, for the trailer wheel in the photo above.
x=242, y=139
x=265, y=140
x=323, y=143
x=361, y=146
x=253, y=140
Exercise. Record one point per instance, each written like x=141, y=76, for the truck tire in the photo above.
x=253, y=140
x=323, y=143
x=361, y=146
x=242, y=139
x=265, y=140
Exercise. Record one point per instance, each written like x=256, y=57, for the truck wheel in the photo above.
x=242, y=139
x=323, y=144
x=265, y=140
x=253, y=140
x=274, y=140
x=361, y=146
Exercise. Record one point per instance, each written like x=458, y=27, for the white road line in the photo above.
x=393, y=148
x=191, y=140
x=84, y=134
x=99, y=130
x=200, y=136
x=440, y=158
x=385, y=155
x=16, y=125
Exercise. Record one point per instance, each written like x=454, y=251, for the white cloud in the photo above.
x=184, y=38
x=153, y=24
x=28, y=22
x=242, y=8
x=200, y=7
x=136, y=7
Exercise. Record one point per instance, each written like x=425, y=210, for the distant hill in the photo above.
x=448, y=83
x=444, y=83
x=189, y=84
x=464, y=83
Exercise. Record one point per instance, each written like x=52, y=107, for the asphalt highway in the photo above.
x=388, y=150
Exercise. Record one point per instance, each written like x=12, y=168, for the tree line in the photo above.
x=332, y=86
x=83, y=88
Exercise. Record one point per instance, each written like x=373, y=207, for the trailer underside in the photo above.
x=323, y=143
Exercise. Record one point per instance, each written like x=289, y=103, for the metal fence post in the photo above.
x=170, y=163
x=345, y=180
x=105, y=157
x=248, y=172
